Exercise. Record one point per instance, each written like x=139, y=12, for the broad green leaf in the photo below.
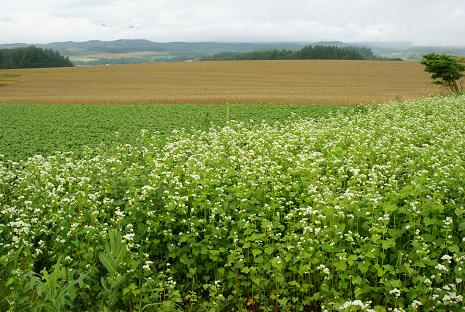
x=390, y=243
x=269, y=250
x=108, y=262
x=341, y=265
x=454, y=249
x=461, y=227
x=363, y=267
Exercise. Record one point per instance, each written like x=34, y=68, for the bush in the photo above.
x=445, y=70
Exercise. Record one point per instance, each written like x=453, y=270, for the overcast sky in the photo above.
x=439, y=22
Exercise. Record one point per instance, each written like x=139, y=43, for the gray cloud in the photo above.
x=419, y=21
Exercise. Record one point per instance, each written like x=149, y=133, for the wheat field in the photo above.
x=324, y=82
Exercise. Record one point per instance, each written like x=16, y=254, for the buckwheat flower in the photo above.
x=323, y=268
x=119, y=213
x=441, y=267
x=452, y=297
x=396, y=292
x=416, y=304
x=447, y=258
x=129, y=237
x=147, y=265
x=355, y=303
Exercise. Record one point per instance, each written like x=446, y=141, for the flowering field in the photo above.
x=348, y=213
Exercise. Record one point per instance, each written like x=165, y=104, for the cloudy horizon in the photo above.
x=422, y=22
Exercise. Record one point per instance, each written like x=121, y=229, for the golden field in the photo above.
x=314, y=81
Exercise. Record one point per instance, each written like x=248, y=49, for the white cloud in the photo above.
x=420, y=21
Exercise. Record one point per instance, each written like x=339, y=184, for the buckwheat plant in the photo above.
x=349, y=213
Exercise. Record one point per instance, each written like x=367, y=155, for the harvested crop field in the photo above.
x=342, y=82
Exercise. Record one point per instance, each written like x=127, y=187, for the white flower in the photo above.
x=396, y=292
x=441, y=267
x=356, y=303
x=416, y=304
x=447, y=258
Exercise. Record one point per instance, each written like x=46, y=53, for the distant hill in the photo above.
x=137, y=45
x=310, y=52
x=96, y=52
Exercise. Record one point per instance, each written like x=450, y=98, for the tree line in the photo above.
x=32, y=57
x=307, y=53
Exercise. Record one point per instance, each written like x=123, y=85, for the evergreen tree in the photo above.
x=32, y=57
x=306, y=53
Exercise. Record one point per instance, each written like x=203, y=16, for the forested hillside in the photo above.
x=32, y=57
x=306, y=53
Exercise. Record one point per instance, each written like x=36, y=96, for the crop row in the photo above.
x=27, y=130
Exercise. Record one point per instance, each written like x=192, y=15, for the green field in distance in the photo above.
x=26, y=130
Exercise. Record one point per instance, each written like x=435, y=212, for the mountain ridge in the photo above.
x=94, y=52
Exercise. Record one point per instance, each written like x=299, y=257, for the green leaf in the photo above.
x=351, y=259
x=357, y=280
x=117, y=249
x=454, y=249
x=459, y=212
x=363, y=267
x=390, y=243
x=283, y=302
x=107, y=262
x=277, y=264
x=104, y=283
x=461, y=227
x=269, y=250
x=389, y=207
x=395, y=233
x=341, y=266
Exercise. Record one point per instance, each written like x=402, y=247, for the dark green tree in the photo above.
x=316, y=52
x=32, y=57
x=445, y=71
